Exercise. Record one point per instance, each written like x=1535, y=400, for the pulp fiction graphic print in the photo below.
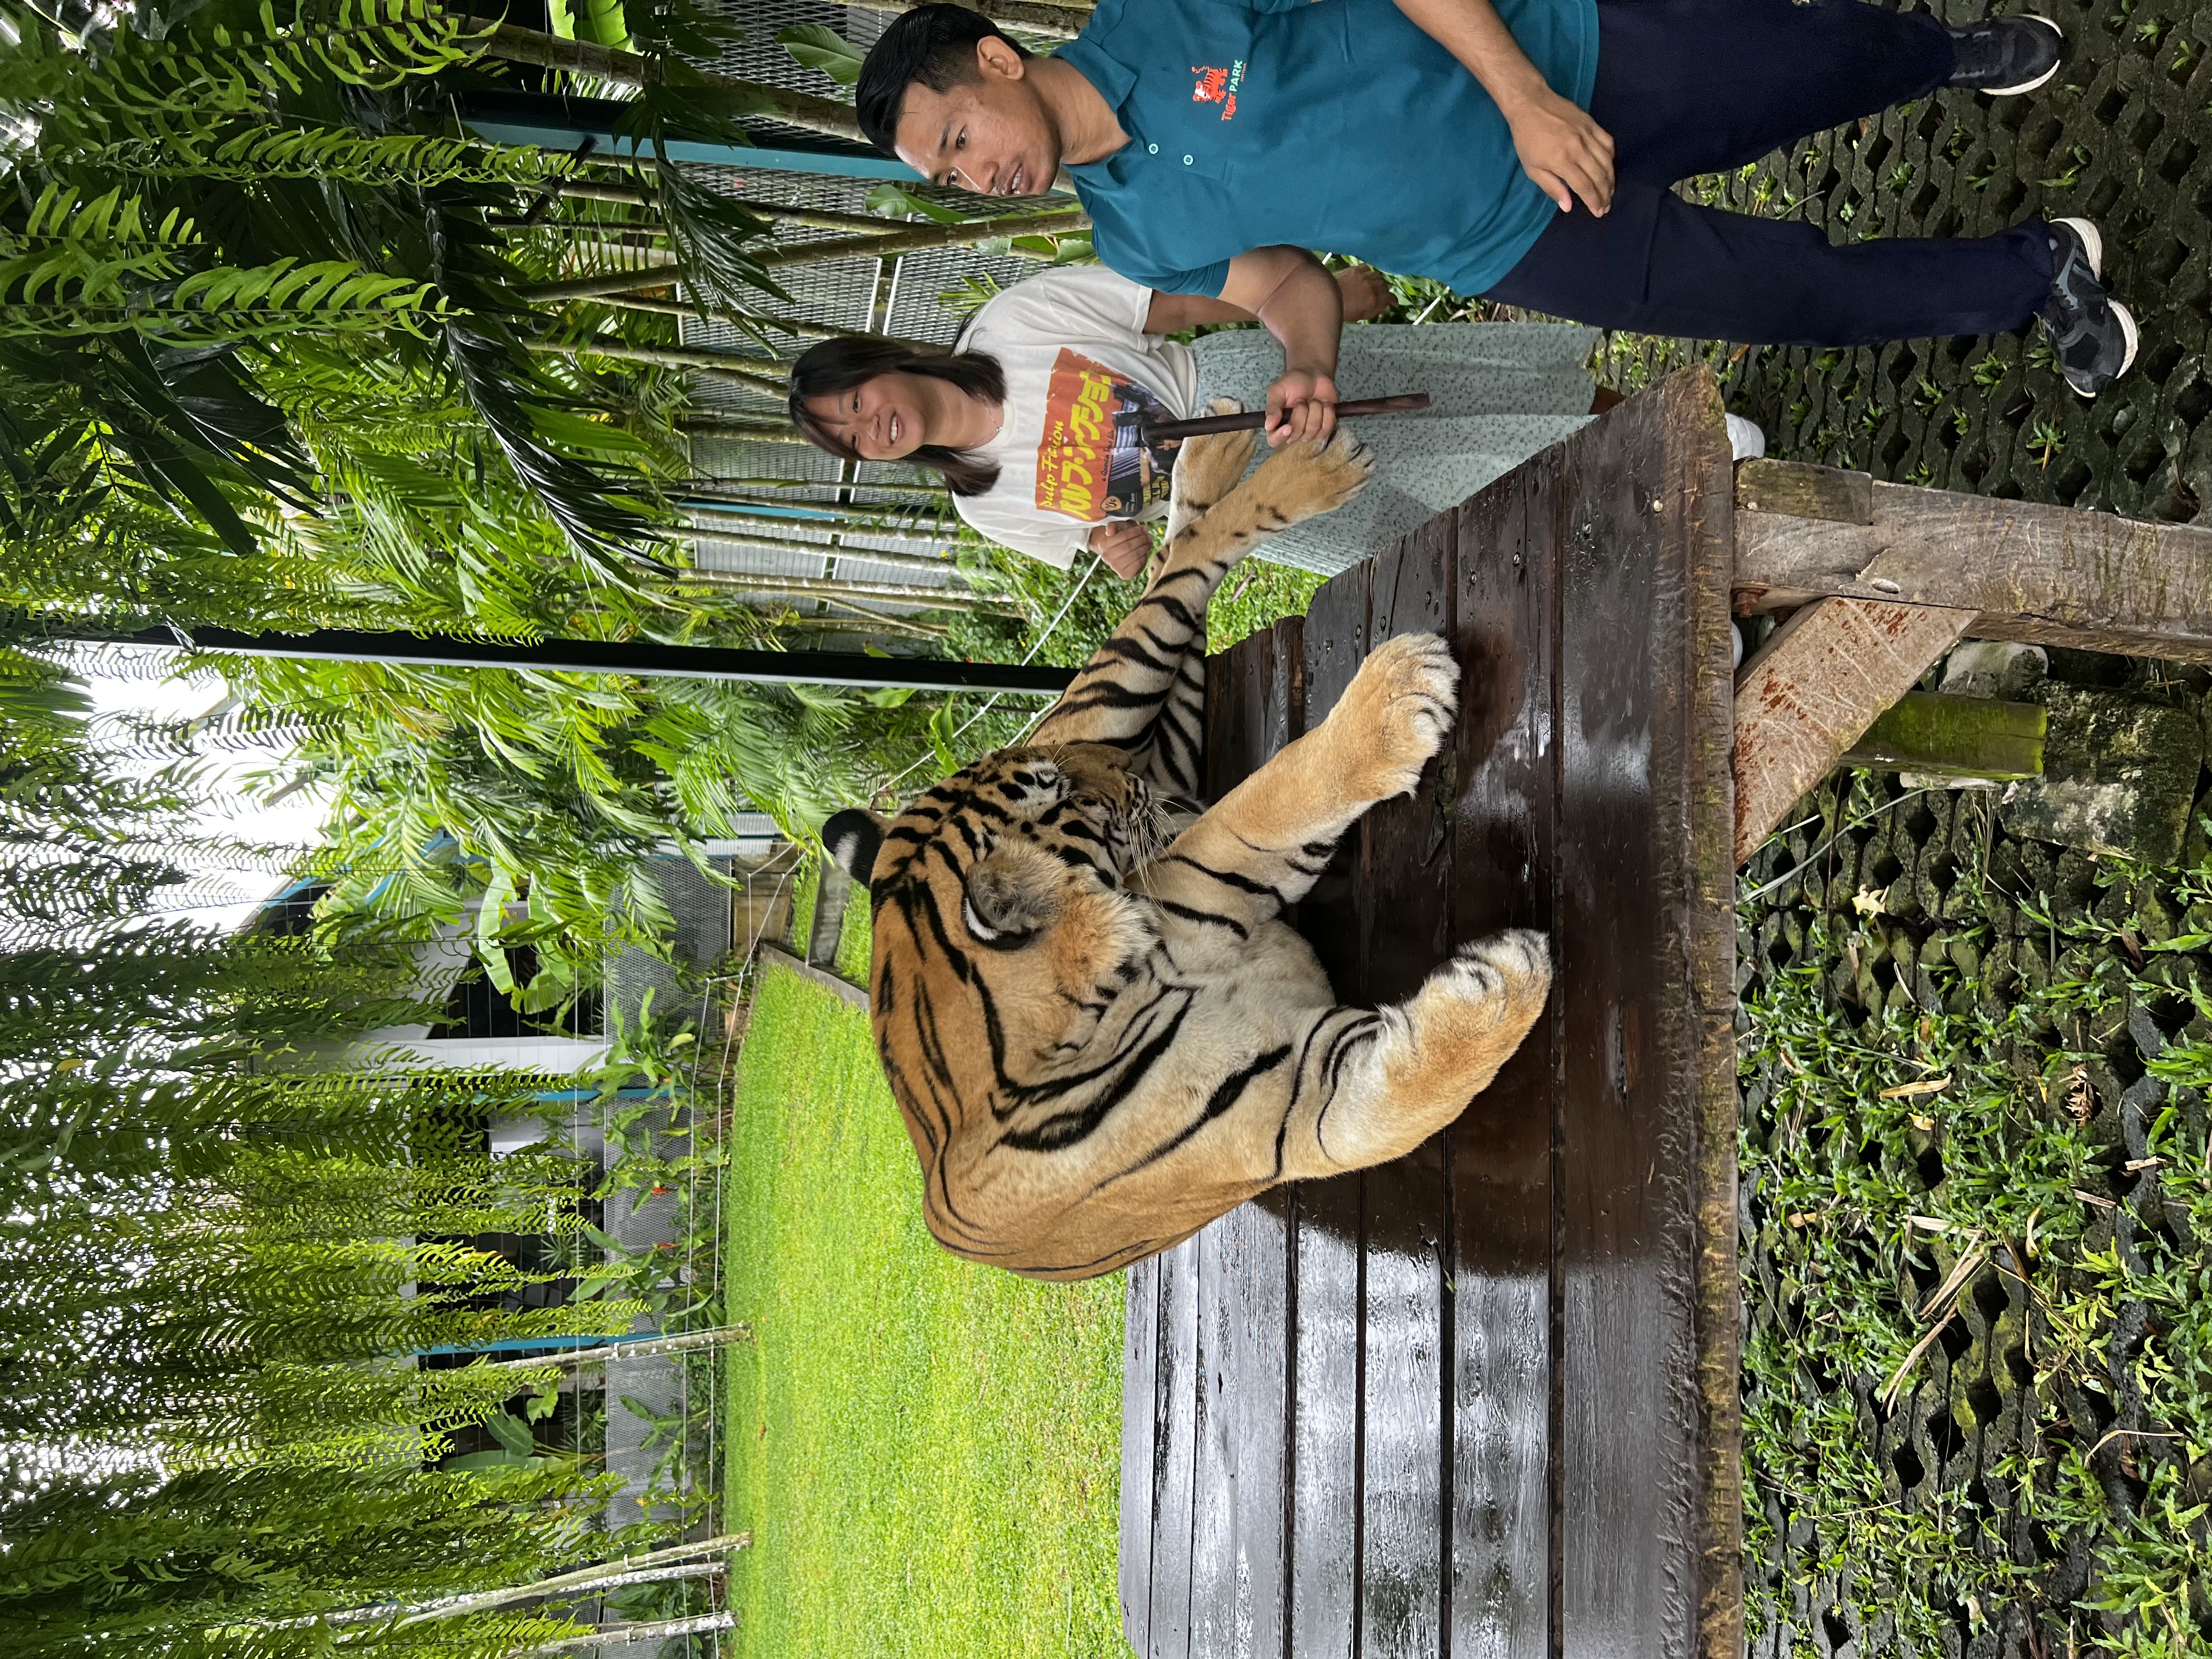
x=1091, y=462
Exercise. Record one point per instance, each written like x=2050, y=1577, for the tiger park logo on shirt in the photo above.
x=1219, y=86
x=1092, y=460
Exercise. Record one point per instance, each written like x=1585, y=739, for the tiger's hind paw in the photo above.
x=1508, y=972
x=1303, y=481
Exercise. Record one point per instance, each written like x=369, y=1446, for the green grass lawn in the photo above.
x=926, y=1451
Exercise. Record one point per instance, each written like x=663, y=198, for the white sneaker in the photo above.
x=1746, y=441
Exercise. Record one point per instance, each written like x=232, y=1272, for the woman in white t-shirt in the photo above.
x=1033, y=420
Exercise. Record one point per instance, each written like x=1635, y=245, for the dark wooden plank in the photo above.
x=1220, y=708
x=1175, y=1434
x=2047, y=576
x=1140, y=1385
x=1502, y=1547
x=1238, y=1542
x=1325, y=1543
x=1645, y=496
x=1286, y=710
x=1405, y=881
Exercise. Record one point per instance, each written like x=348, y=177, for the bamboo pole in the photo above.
x=624, y=1636
x=813, y=218
x=582, y=1580
x=914, y=239
x=725, y=365
x=825, y=587
x=735, y=490
x=803, y=331
x=882, y=620
x=853, y=521
x=660, y=274
x=820, y=218
x=922, y=238
x=628, y=69
x=765, y=432
x=683, y=1343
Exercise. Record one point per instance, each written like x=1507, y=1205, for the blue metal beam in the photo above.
x=568, y=137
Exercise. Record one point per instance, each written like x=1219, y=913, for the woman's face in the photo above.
x=886, y=418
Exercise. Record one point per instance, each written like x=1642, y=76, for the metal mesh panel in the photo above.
x=2119, y=138
x=916, y=313
x=1981, y=1414
x=641, y=1221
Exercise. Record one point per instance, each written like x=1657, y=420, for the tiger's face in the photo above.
x=1009, y=881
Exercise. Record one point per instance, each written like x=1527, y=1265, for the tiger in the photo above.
x=1099, y=1031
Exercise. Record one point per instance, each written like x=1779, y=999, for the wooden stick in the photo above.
x=1253, y=420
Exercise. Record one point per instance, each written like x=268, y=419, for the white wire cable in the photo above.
x=1096, y=565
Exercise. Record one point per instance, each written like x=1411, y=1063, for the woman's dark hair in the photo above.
x=933, y=44
x=838, y=365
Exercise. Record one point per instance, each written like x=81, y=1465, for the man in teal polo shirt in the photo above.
x=1524, y=152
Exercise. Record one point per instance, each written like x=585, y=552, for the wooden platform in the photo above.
x=1482, y=1402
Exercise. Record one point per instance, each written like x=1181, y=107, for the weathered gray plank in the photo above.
x=1815, y=688
x=1325, y=1424
x=1140, y=1403
x=1175, y=1451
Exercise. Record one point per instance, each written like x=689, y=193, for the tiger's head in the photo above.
x=1002, y=893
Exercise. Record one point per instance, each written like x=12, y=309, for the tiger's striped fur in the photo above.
x=1100, y=1040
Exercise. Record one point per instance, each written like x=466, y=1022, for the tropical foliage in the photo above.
x=271, y=358
x=228, y=1226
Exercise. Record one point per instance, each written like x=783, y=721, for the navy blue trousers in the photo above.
x=1687, y=87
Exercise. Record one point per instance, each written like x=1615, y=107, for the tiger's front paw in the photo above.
x=1207, y=468
x=1395, y=714
x=1303, y=481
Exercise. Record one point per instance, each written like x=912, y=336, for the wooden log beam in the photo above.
x=762, y=432
x=1815, y=688
x=2044, y=575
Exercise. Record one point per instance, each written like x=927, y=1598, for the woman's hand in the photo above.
x=1301, y=405
x=1125, y=545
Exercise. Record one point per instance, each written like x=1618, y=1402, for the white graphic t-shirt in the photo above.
x=1080, y=372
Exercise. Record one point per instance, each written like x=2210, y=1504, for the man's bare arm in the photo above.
x=1299, y=302
x=1559, y=146
x=1364, y=292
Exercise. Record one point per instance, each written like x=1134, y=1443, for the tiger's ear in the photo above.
x=853, y=836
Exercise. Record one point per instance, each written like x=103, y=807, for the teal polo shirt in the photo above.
x=1322, y=123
